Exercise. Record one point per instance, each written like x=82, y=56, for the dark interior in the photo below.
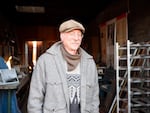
x=55, y=11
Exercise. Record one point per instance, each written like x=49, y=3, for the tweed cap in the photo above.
x=70, y=25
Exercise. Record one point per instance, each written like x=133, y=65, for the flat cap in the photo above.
x=70, y=25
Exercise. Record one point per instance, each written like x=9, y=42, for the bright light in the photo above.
x=34, y=54
x=9, y=62
x=30, y=9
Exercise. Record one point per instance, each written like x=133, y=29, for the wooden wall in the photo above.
x=47, y=34
x=138, y=21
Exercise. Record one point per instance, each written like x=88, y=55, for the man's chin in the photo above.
x=75, y=48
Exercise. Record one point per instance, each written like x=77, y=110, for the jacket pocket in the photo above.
x=89, y=93
x=55, y=108
x=54, y=92
x=88, y=109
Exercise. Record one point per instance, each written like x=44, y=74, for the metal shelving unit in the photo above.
x=133, y=78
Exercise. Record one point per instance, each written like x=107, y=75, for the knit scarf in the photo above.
x=72, y=60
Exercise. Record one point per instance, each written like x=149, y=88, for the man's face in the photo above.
x=72, y=40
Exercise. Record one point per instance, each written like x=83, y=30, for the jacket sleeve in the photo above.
x=96, y=100
x=37, y=89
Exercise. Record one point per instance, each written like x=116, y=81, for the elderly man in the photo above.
x=65, y=78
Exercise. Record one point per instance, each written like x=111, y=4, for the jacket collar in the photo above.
x=55, y=50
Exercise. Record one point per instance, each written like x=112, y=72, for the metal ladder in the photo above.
x=118, y=48
x=125, y=93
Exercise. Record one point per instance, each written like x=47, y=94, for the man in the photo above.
x=65, y=78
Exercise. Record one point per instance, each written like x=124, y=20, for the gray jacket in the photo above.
x=49, y=89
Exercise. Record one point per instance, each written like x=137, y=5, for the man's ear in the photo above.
x=62, y=36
